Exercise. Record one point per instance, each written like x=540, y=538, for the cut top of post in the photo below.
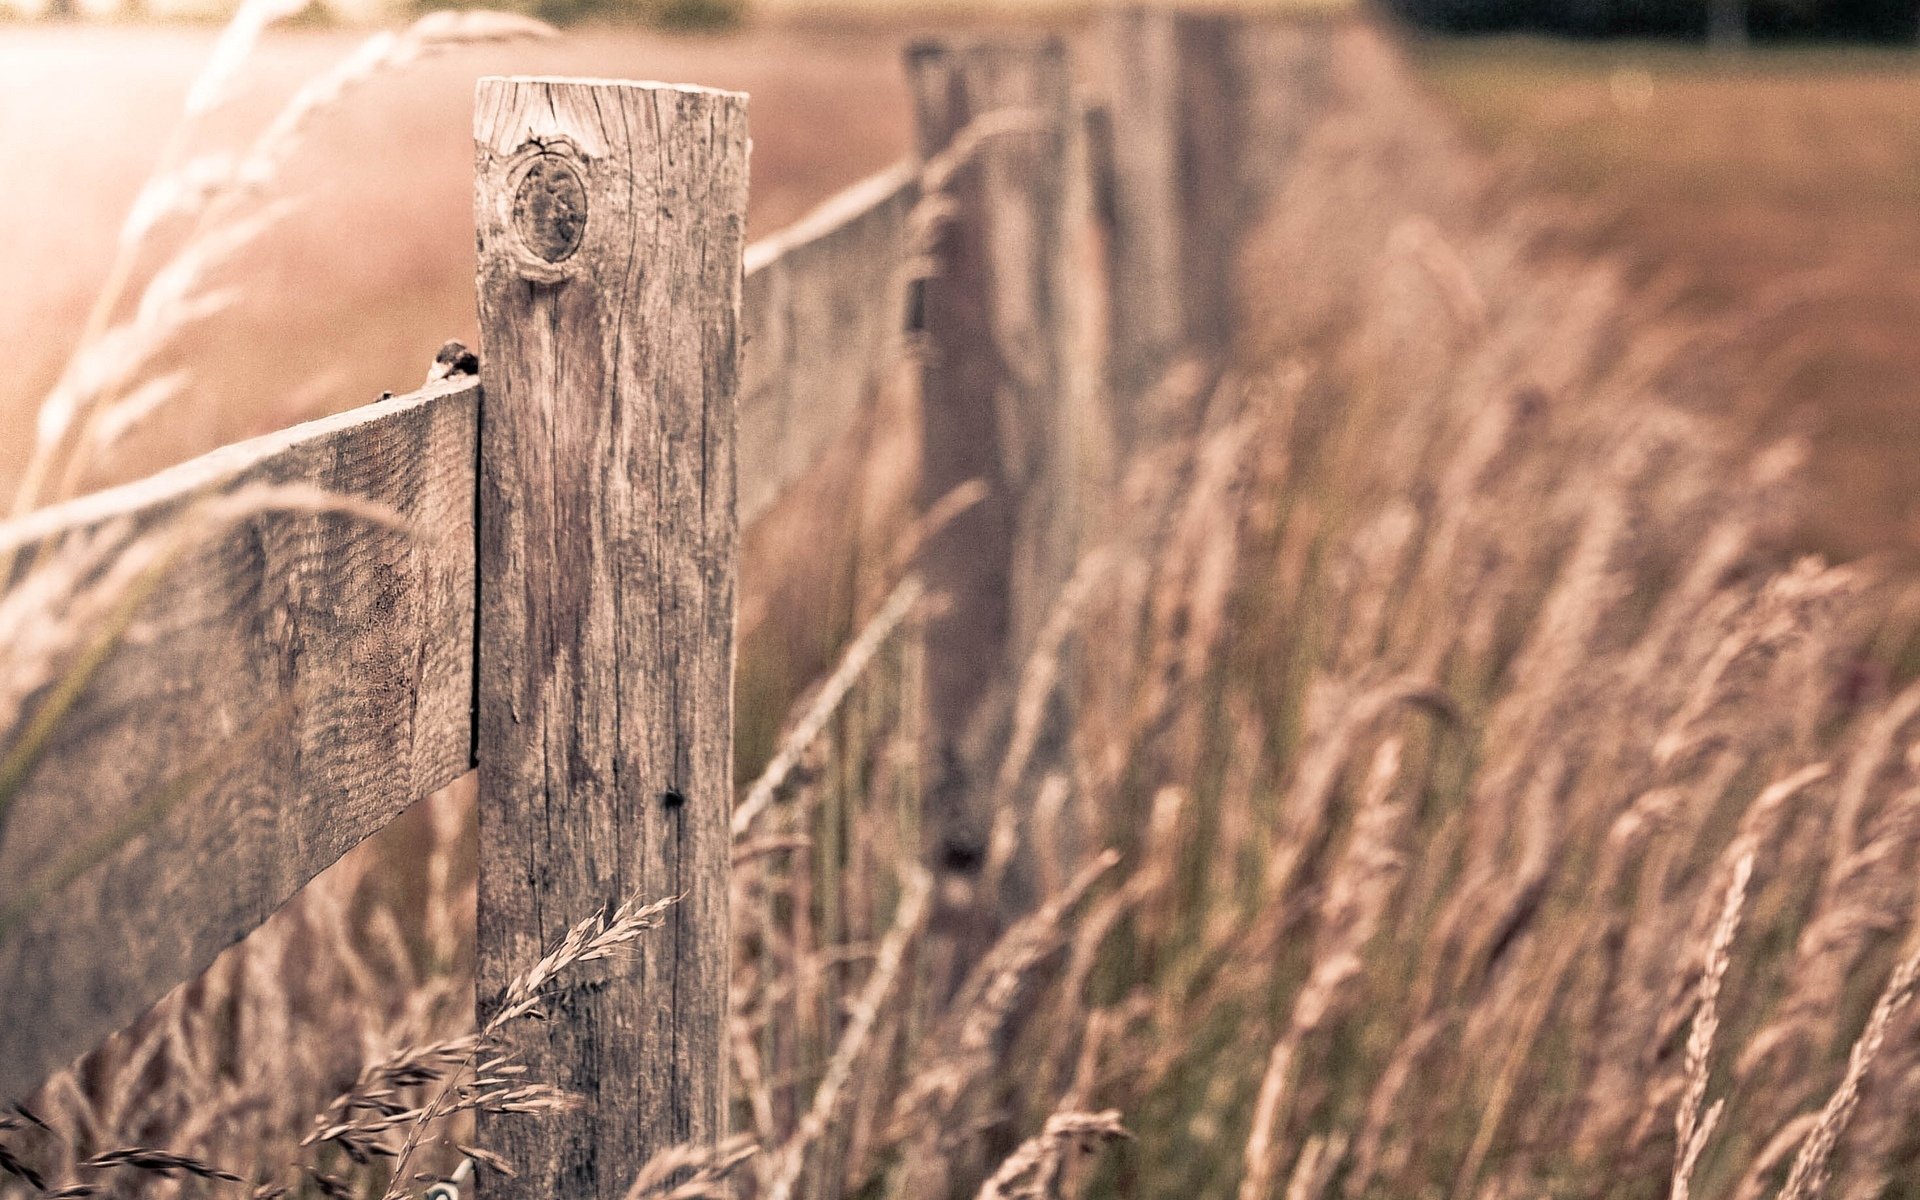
x=507, y=110
x=545, y=133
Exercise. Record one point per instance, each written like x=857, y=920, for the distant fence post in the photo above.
x=610, y=218
x=1005, y=386
x=1177, y=114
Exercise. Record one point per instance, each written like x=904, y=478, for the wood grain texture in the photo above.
x=607, y=564
x=295, y=681
x=822, y=320
x=1005, y=390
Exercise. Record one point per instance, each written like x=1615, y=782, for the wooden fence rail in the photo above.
x=304, y=677
x=824, y=316
x=534, y=573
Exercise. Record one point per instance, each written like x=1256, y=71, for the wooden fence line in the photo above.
x=582, y=519
x=824, y=312
x=1141, y=182
x=1202, y=113
x=367, y=628
x=1177, y=135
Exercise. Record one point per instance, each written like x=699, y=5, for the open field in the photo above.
x=1723, y=180
x=1728, y=181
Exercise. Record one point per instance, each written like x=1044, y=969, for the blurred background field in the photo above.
x=1719, y=176
x=353, y=293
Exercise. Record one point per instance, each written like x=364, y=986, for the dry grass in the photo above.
x=1472, y=794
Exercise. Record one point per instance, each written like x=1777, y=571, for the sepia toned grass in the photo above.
x=1472, y=793
x=1721, y=179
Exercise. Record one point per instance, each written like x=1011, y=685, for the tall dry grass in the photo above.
x=1468, y=797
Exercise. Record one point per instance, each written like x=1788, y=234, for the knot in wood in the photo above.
x=550, y=208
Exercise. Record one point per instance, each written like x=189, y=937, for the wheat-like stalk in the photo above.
x=692, y=1172
x=1029, y=1172
x=1356, y=900
x=496, y=1085
x=1808, y=1176
x=854, y=1044
x=1692, y=1128
x=854, y=663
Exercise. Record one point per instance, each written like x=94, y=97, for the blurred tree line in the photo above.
x=1722, y=21
x=667, y=14
x=663, y=14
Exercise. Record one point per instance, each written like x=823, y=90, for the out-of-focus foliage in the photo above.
x=663, y=14
x=1881, y=20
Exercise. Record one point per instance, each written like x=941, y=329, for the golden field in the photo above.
x=1477, y=788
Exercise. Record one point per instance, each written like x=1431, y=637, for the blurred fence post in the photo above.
x=1140, y=179
x=610, y=221
x=1006, y=391
x=1177, y=118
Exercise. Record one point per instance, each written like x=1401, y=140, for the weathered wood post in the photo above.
x=610, y=221
x=1178, y=122
x=1004, y=388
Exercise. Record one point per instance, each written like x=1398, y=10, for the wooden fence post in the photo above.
x=1005, y=388
x=610, y=221
x=1141, y=182
x=1178, y=120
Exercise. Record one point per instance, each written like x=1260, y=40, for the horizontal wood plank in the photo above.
x=823, y=315
x=294, y=679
